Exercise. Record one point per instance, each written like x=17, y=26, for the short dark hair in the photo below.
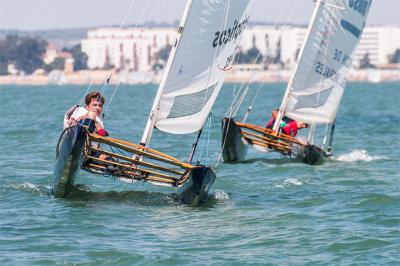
x=94, y=95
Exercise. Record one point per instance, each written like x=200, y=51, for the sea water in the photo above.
x=267, y=210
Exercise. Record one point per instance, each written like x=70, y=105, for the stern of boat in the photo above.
x=234, y=146
x=312, y=154
x=195, y=190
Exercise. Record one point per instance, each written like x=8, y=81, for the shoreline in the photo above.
x=98, y=77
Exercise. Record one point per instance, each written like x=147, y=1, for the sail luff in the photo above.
x=153, y=113
x=285, y=99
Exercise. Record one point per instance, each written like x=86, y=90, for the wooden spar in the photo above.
x=266, y=140
x=138, y=162
x=140, y=147
x=130, y=167
x=130, y=147
x=268, y=132
x=281, y=150
x=132, y=175
x=265, y=144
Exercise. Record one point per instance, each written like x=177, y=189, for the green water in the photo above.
x=266, y=211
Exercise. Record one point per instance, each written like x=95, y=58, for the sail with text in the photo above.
x=203, y=53
x=316, y=88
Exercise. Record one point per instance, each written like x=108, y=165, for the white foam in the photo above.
x=25, y=186
x=220, y=195
x=293, y=181
x=358, y=155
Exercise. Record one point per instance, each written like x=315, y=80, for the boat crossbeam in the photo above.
x=268, y=138
x=142, y=164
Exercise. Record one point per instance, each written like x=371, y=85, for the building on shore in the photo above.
x=135, y=49
x=132, y=49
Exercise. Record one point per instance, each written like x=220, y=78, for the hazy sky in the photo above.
x=50, y=14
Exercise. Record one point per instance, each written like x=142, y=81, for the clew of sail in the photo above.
x=204, y=53
x=315, y=91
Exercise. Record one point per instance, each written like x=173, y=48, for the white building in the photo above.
x=267, y=39
x=135, y=49
x=130, y=49
x=379, y=42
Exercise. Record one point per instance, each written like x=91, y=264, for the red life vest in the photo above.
x=290, y=129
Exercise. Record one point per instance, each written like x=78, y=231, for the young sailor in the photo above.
x=86, y=115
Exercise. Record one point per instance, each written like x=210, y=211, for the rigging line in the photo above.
x=276, y=54
x=208, y=135
x=235, y=109
x=141, y=14
x=289, y=87
x=87, y=91
x=223, y=145
x=242, y=85
x=120, y=26
x=112, y=97
x=127, y=14
x=222, y=25
x=152, y=14
x=328, y=29
x=275, y=23
x=103, y=88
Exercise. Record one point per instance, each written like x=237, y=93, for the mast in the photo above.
x=289, y=87
x=148, y=131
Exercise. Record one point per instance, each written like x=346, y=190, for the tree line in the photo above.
x=26, y=54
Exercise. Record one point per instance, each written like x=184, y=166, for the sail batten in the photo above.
x=206, y=48
x=316, y=88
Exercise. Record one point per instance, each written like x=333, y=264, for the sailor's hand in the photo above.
x=91, y=115
x=72, y=122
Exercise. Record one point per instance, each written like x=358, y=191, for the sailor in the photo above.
x=287, y=125
x=271, y=122
x=87, y=115
x=292, y=127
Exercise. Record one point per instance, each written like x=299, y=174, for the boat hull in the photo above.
x=68, y=161
x=234, y=146
x=195, y=190
x=311, y=154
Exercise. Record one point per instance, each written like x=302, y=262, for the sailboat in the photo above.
x=206, y=43
x=314, y=91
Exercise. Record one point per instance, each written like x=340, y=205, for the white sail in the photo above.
x=203, y=54
x=317, y=86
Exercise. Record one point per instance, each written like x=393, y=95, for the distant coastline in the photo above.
x=234, y=76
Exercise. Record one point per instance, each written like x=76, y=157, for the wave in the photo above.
x=220, y=195
x=290, y=182
x=358, y=155
x=29, y=187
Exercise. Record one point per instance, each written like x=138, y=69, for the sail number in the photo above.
x=342, y=58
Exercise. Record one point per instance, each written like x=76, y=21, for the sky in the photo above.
x=64, y=14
